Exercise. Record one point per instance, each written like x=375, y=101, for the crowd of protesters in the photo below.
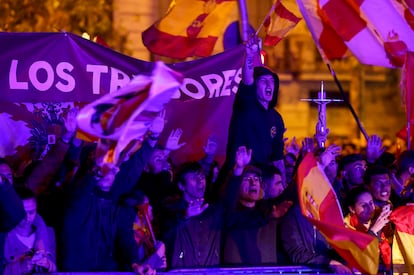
x=72, y=211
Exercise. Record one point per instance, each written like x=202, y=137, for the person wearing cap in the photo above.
x=255, y=123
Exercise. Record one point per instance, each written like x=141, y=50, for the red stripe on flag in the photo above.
x=179, y=47
x=332, y=45
x=283, y=12
x=345, y=18
x=279, y=23
x=403, y=218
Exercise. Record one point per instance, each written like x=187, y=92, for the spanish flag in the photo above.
x=124, y=116
x=320, y=205
x=403, y=218
x=190, y=28
x=280, y=22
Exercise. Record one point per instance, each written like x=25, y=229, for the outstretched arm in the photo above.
x=252, y=51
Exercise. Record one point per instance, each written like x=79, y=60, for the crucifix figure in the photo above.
x=322, y=101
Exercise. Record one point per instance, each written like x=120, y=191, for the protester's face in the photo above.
x=30, y=207
x=355, y=172
x=157, y=161
x=364, y=207
x=274, y=187
x=250, y=187
x=106, y=177
x=380, y=186
x=6, y=172
x=265, y=88
x=194, y=186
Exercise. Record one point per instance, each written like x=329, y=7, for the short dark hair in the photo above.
x=353, y=195
x=269, y=171
x=405, y=160
x=186, y=168
x=253, y=170
x=348, y=159
x=373, y=171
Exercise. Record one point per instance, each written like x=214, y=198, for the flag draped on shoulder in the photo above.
x=125, y=115
x=403, y=219
x=279, y=23
x=190, y=28
x=359, y=25
x=320, y=205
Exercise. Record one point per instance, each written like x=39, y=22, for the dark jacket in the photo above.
x=93, y=224
x=195, y=242
x=253, y=126
x=302, y=242
x=248, y=239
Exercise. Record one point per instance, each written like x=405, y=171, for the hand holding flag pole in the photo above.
x=322, y=101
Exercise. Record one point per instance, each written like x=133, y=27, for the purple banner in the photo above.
x=41, y=73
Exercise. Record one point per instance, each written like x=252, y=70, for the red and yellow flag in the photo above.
x=279, y=23
x=124, y=116
x=190, y=28
x=359, y=25
x=320, y=205
x=403, y=218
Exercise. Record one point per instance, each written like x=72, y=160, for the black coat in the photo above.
x=94, y=226
x=255, y=127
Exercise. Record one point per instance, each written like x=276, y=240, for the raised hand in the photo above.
x=157, y=125
x=308, y=145
x=374, y=148
x=329, y=154
x=243, y=157
x=195, y=208
x=211, y=146
x=173, y=141
x=293, y=147
x=70, y=122
x=382, y=219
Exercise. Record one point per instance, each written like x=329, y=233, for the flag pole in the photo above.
x=341, y=90
x=244, y=18
x=267, y=17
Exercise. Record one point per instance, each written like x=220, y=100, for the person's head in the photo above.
x=353, y=167
x=250, y=189
x=272, y=182
x=405, y=164
x=377, y=179
x=359, y=201
x=5, y=171
x=105, y=176
x=30, y=206
x=267, y=85
x=157, y=161
x=191, y=180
